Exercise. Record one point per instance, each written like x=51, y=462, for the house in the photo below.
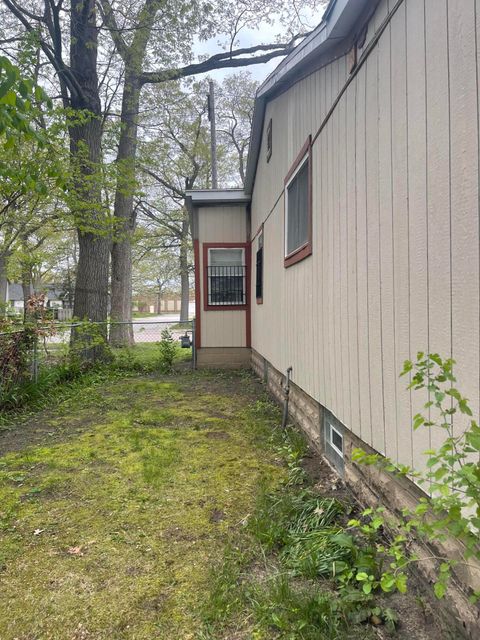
x=55, y=298
x=355, y=242
x=15, y=296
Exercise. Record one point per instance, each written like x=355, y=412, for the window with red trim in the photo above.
x=298, y=207
x=297, y=215
x=226, y=277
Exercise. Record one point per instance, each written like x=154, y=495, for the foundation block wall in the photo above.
x=373, y=487
x=223, y=358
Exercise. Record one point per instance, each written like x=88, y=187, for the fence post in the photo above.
x=35, y=360
x=194, y=346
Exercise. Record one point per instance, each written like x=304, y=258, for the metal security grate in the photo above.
x=227, y=285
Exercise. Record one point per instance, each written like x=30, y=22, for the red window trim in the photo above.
x=225, y=245
x=198, y=313
x=305, y=250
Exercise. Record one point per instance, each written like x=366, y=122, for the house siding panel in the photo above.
x=438, y=181
x=464, y=194
x=395, y=262
x=417, y=198
x=219, y=224
x=403, y=445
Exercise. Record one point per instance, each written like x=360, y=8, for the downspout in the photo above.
x=286, y=391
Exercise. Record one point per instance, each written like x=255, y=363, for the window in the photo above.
x=269, y=140
x=259, y=269
x=334, y=439
x=333, y=431
x=298, y=215
x=226, y=277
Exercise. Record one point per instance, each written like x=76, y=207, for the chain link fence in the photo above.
x=27, y=354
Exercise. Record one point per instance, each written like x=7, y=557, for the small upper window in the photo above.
x=269, y=140
x=226, y=277
x=297, y=232
x=259, y=269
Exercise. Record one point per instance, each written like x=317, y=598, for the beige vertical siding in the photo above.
x=417, y=198
x=222, y=224
x=400, y=217
x=395, y=263
x=464, y=191
x=221, y=328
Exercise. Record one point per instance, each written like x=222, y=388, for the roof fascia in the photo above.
x=338, y=23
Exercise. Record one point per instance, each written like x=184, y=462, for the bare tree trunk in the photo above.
x=122, y=334
x=91, y=289
x=3, y=284
x=184, y=272
x=26, y=285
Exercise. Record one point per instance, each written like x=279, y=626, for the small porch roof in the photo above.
x=211, y=197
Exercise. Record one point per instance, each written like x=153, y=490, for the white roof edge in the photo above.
x=337, y=24
x=199, y=197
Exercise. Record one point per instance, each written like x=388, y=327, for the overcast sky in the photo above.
x=248, y=38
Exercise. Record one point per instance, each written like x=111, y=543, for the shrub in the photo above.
x=452, y=479
x=168, y=352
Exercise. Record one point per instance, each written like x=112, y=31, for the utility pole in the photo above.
x=213, y=133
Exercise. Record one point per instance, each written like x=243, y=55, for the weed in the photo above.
x=308, y=611
x=168, y=351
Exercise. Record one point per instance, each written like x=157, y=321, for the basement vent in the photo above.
x=333, y=431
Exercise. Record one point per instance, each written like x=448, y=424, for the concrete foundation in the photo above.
x=223, y=358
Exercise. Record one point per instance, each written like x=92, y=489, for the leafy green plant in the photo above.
x=168, y=351
x=452, y=479
x=89, y=345
x=309, y=611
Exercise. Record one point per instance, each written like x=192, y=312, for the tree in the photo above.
x=47, y=255
x=154, y=271
x=30, y=165
x=177, y=158
x=146, y=18
x=235, y=100
x=153, y=40
x=79, y=91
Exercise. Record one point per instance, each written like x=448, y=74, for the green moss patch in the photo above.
x=111, y=519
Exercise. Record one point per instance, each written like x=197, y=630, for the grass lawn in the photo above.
x=114, y=505
x=149, y=507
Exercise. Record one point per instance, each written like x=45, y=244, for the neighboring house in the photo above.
x=355, y=242
x=55, y=296
x=15, y=296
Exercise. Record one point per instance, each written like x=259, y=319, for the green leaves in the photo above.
x=452, y=474
x=418, y=421
x=17, y=95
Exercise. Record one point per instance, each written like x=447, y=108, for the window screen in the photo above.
x=297, y=211
x=226, y=277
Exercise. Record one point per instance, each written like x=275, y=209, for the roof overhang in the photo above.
x=339, y=25
x=212, y=197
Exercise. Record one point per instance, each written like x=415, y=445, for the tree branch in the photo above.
x=108, y=17
x=164, y=183
x=223, y=60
